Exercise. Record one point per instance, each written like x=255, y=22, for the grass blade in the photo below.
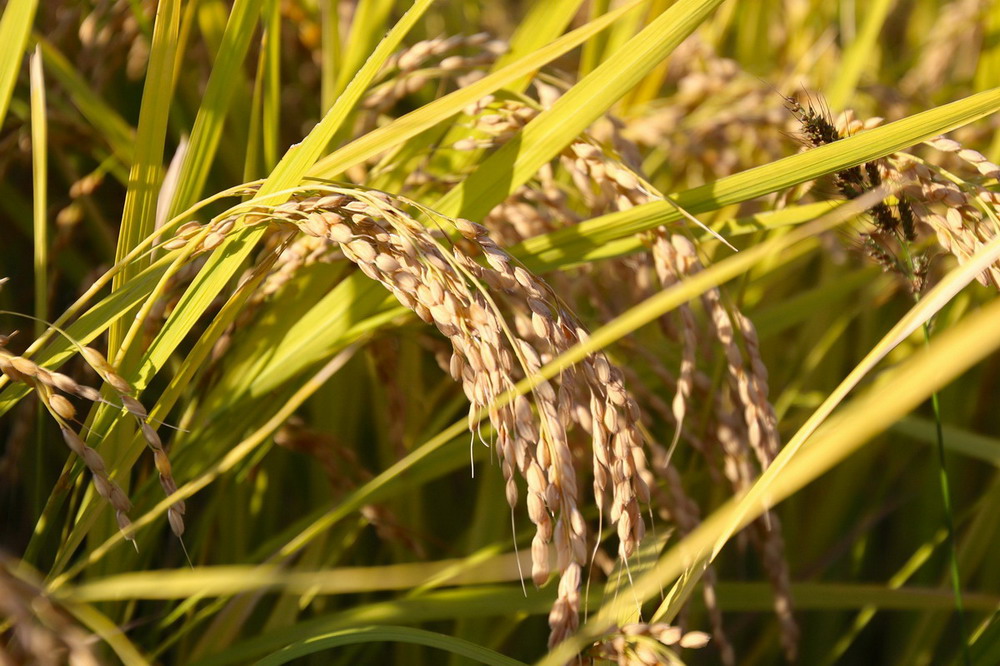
x=15, y=26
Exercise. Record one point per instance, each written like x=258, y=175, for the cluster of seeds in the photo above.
x=643, y=644
x=463, y=288
x=600, y=177
x=503, y=323
x=52, y=388
x=497, y=119
x=538, y=206
x=411, y=69
x=893, y=226
x=603, y=181
x=592, y=168
x=973, y=158
x=962, y=212
x=855, y=181
x=749, y=380
x=208, y=236
x=675, y=258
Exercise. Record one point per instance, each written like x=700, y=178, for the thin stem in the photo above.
x=949, y=520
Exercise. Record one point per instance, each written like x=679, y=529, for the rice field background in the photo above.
x=390, y=332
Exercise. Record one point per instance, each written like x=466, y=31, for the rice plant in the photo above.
x=377, y=331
